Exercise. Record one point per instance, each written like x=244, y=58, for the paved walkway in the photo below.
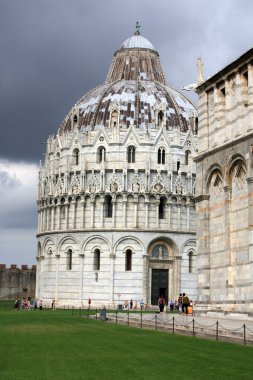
x=228, y=329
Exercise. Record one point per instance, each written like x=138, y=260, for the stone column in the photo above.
x=228, y=105
x=250, y=99
x=135, y=210
x=188, y=204
x=146, y=216
x=59, y=217
x=52, y=217
x=203, y=249
x=227, y=194
x=124, y=210
x=41, y=259
x=145, y=277
x=178, y=213
x=102, y=201
x=82, y=212
x=57, y=257
x=92, y=205
x=238, y=124
x=157, y=213
x=111, y=296
x=38, y=274
x=81, y=258
x=250, y=217
x=169, y=213
x=113, y=212
x=66, y=216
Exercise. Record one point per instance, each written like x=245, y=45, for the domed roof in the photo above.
x=135, y=93
x=137, y=41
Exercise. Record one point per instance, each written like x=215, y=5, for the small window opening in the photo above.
x=97, y=259
x=162, y=208
x=76, y=157
x=131, y=154
x=178, y=165
x=160, y=118
x=69, y=259
x=191, y=262
x=187, y=155
x=108, y=206
x=101, y=154
x=161, y=156
x=128, y=260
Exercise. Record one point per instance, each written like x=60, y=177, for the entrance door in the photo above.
x=159, y=285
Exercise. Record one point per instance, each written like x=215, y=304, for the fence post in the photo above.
x=141, y=319
x=80, y=312
x=217, y=330
x=193, y=330
x=96, y=313
x=128, y=317
x=116, y=319
x=156, y=322
x=244, y=335
x=88, y=312
x=173, y=325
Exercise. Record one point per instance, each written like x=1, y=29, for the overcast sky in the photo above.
x=53, y=51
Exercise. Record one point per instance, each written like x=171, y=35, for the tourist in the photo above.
x=161, y=303
x=53, y=304
x=41, y=305
x=171, y=305
x=89, y=302
x=186, y=303
x=35, y=304
x=131, y=304
x=17, y=304
x=142, y=304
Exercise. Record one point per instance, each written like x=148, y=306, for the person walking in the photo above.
x=186, y=303
x=161, y=303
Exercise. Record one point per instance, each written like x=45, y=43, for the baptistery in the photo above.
x=116, y=213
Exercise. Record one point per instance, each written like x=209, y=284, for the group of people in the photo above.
x=181, y=304
x=27, y=304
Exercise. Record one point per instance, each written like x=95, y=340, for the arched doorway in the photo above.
x=162, y=270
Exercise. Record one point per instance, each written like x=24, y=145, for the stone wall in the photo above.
x=17, y=282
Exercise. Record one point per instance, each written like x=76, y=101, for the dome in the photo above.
x=137, y=41
x=95, y=108
x=136, y=91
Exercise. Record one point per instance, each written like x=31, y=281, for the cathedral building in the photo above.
x=224, y=190
x=116, y=211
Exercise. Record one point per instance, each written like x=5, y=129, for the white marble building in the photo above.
x=116, y=213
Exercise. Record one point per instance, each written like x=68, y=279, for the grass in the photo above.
x=56, y=345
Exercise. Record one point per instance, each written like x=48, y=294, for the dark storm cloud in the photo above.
x=52, y=52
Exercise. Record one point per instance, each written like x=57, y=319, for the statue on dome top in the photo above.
x=137, y=28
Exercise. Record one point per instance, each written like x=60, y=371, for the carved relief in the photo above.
x=136, y=185
x=93, y=184
x=113, y=184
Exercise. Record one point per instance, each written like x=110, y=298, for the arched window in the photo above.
x=187, y=155
x=75, y=119
x=114, y=118
x=191, y=264
x=131, y=154
x=108, y=206
x=128, y=260
x=161, y=156
x=178, y=165
x=160, y=118
x=96, y=265
x=162, y=208
x=69, y=259
x=76, y=156
x=101, y=154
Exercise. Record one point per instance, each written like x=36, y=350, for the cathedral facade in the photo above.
x=116, y=212
x=224, y=191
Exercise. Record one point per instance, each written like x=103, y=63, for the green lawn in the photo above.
x=56, y=345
